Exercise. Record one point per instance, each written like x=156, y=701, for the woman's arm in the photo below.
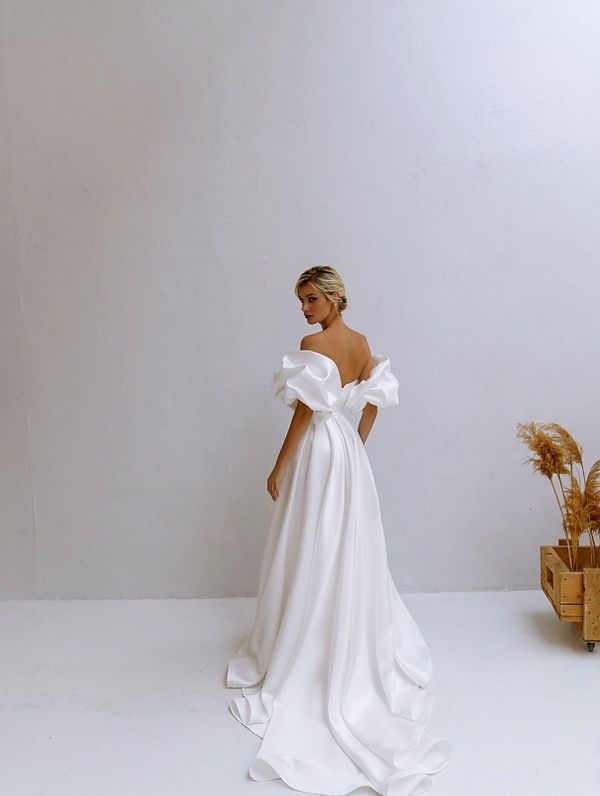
x=299, y=424
x=369, y=413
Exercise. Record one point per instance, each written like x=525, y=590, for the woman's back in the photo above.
x=347, y=348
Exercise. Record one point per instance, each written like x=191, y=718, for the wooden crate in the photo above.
x=575, y=596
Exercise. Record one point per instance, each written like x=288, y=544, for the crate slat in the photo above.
x=591, y=603
x=575, y=596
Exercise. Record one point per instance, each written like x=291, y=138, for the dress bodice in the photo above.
x=314, y=379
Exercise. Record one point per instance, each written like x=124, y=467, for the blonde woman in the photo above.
x=336, y=676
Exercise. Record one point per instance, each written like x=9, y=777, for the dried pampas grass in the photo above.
x=572, y=450
x=551, y=459
x=556, y=454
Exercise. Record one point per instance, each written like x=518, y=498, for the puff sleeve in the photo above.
x=308, y=377
x=380, y=389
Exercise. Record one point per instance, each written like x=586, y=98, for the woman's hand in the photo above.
x=273, y=481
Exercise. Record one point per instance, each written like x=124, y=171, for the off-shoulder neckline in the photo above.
x=333, y=362
x=335, y=365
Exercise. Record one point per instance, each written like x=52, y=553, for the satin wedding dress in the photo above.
x=335, y=674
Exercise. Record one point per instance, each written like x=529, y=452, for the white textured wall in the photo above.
x=168, y=169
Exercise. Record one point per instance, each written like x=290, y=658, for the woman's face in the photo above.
x=314, y=304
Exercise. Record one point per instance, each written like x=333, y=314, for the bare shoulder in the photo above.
x=361, y=345
x=321, y=342
x=367, y=357
x=364, y=342
x=311, y=342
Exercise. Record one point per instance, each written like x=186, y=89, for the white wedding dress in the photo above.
x=335, y=674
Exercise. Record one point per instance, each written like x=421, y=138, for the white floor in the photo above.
x=127, y=697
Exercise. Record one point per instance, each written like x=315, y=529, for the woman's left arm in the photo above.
x=299, y=424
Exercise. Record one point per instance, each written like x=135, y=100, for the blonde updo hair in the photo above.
x=327, y=280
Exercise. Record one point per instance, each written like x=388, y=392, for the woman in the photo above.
x=335, y=675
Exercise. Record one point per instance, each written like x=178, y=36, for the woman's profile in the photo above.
x=336, y=676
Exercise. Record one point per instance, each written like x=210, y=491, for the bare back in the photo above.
x=347, y=348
